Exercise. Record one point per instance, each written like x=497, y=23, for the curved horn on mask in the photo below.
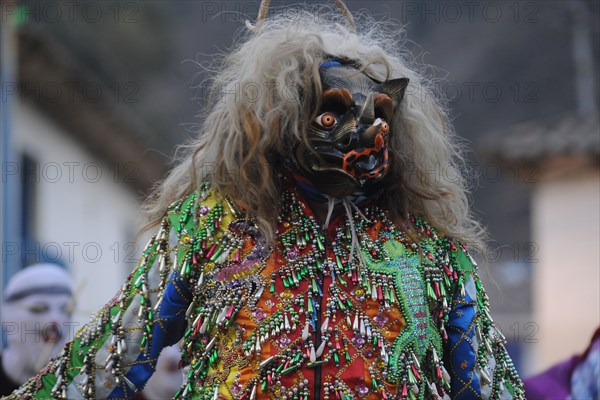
x=346, y=13
x=262, y=13
x=264, y=9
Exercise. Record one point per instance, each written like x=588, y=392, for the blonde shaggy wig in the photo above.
x=266, y=92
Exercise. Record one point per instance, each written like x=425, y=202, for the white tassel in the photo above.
x=286, y=323
x=305, y=332
x=330, y=206
x=325, y=325
x=321, y=348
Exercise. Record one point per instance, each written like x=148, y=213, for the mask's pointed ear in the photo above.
x=395, y=88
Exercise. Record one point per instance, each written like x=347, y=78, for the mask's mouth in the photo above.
x=368, y=163
x=356, y=164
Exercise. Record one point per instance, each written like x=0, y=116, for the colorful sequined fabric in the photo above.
x=354, y=311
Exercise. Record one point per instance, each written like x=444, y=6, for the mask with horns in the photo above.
x=347, y=151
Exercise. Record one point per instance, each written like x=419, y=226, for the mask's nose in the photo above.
x=368, y=133
x=366, y=113
x=364, y=136
x=368, y=127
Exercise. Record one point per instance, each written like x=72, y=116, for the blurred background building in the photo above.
x=96, y=95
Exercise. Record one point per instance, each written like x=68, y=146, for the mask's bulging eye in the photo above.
x=326, y=120
x=385, y=128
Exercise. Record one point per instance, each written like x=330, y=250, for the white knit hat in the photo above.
x=38, y=279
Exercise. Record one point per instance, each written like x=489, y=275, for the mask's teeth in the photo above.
x=377, y=122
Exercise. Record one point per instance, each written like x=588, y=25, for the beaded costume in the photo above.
x=354, y=308
x=283, y=322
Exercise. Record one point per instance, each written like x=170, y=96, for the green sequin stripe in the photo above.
x=75, y=361
x=505, y=371
x=150, y=253
x=185, y=210
x=462, y=260
x=482, y=323
x=203, y=228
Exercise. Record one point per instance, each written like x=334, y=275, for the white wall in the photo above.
x=566, y=219
x=88, y=218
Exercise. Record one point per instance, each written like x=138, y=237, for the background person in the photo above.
x=36, y=313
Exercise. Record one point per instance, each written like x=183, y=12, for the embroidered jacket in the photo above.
x=356, y=311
